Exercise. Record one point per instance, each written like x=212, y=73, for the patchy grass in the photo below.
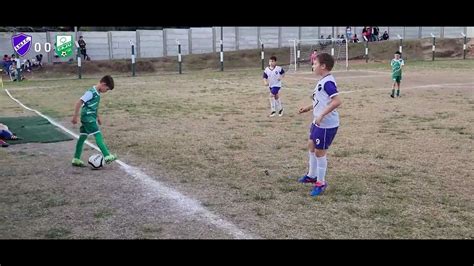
x=209, y=135
x=103, y=214
x=57, y=233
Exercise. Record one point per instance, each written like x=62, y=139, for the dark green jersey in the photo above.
x=90, y=107
x=397, y=67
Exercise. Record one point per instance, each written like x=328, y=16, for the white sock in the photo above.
x=322, y=165
x=278, y=104
x=272, y=104
x=313, y=165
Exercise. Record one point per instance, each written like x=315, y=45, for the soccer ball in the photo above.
x=96, y=161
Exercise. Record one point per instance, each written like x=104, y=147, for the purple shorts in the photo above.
x=274, y=90
x=322, y=137
x=4, y=134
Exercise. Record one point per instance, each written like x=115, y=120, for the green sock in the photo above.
x=393, y=92
x=99, y=139
x=398, y=92
x=79, y=145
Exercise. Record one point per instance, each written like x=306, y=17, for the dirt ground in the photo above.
x=398, y=168
x=45, y=198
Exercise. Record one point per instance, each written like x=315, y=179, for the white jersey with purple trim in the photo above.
x=272, y=75
x=323, y=92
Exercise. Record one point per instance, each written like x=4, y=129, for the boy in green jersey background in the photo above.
x=397, y=63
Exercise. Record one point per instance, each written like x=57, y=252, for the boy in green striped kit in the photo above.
x=397, y=63
x=90, y=120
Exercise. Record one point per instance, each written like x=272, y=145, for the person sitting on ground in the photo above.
x=343, y=40
x=355, y=39
x=26, y=66
x=39, y=59
x=14, y=72
x=6, y=63
x=6, y=134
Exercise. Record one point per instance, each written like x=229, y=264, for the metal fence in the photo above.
x=160, y=43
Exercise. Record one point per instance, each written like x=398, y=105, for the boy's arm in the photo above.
x=282, y=74
x=77, y=107
x=265, y=79
x=305, y=109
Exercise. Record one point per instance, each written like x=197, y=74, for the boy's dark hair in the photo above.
x=326, y=59
x=398, y=52
x=274, y=58
x=109, y=81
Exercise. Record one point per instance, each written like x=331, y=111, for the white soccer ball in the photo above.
x=96, y=161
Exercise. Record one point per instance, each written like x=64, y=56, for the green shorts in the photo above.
x=89, y=128
x=397, y=78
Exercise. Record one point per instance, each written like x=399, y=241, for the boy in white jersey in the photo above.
x=325, y=123
x=272, y=79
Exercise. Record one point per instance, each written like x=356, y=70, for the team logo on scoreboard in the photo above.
x=64, y=45
x=21, y=43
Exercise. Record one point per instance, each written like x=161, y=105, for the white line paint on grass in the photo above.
x=187, y=205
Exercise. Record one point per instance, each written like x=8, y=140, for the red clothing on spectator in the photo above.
x=313, y=57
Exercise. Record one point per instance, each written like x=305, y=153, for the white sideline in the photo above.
x=414, y=87
x=188, y=205
x=371, y=89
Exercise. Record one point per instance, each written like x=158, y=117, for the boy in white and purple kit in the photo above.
x=325, y=123
x=272, y=79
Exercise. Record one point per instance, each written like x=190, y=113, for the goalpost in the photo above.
x=301, y=50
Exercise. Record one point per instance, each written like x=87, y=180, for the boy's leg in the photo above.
x=76, y=161
x=323, y=140
x=3, y=143
x=310, y=177
x=272, y=103
x=398, y=87
x=313, y=163
x=80, y=142
x=322, y=163
x=278, y=105
x=320, y=185
x=393, y=90
x=280, y=109
x=92, y=128
x=325, y=137
x=99, y=139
